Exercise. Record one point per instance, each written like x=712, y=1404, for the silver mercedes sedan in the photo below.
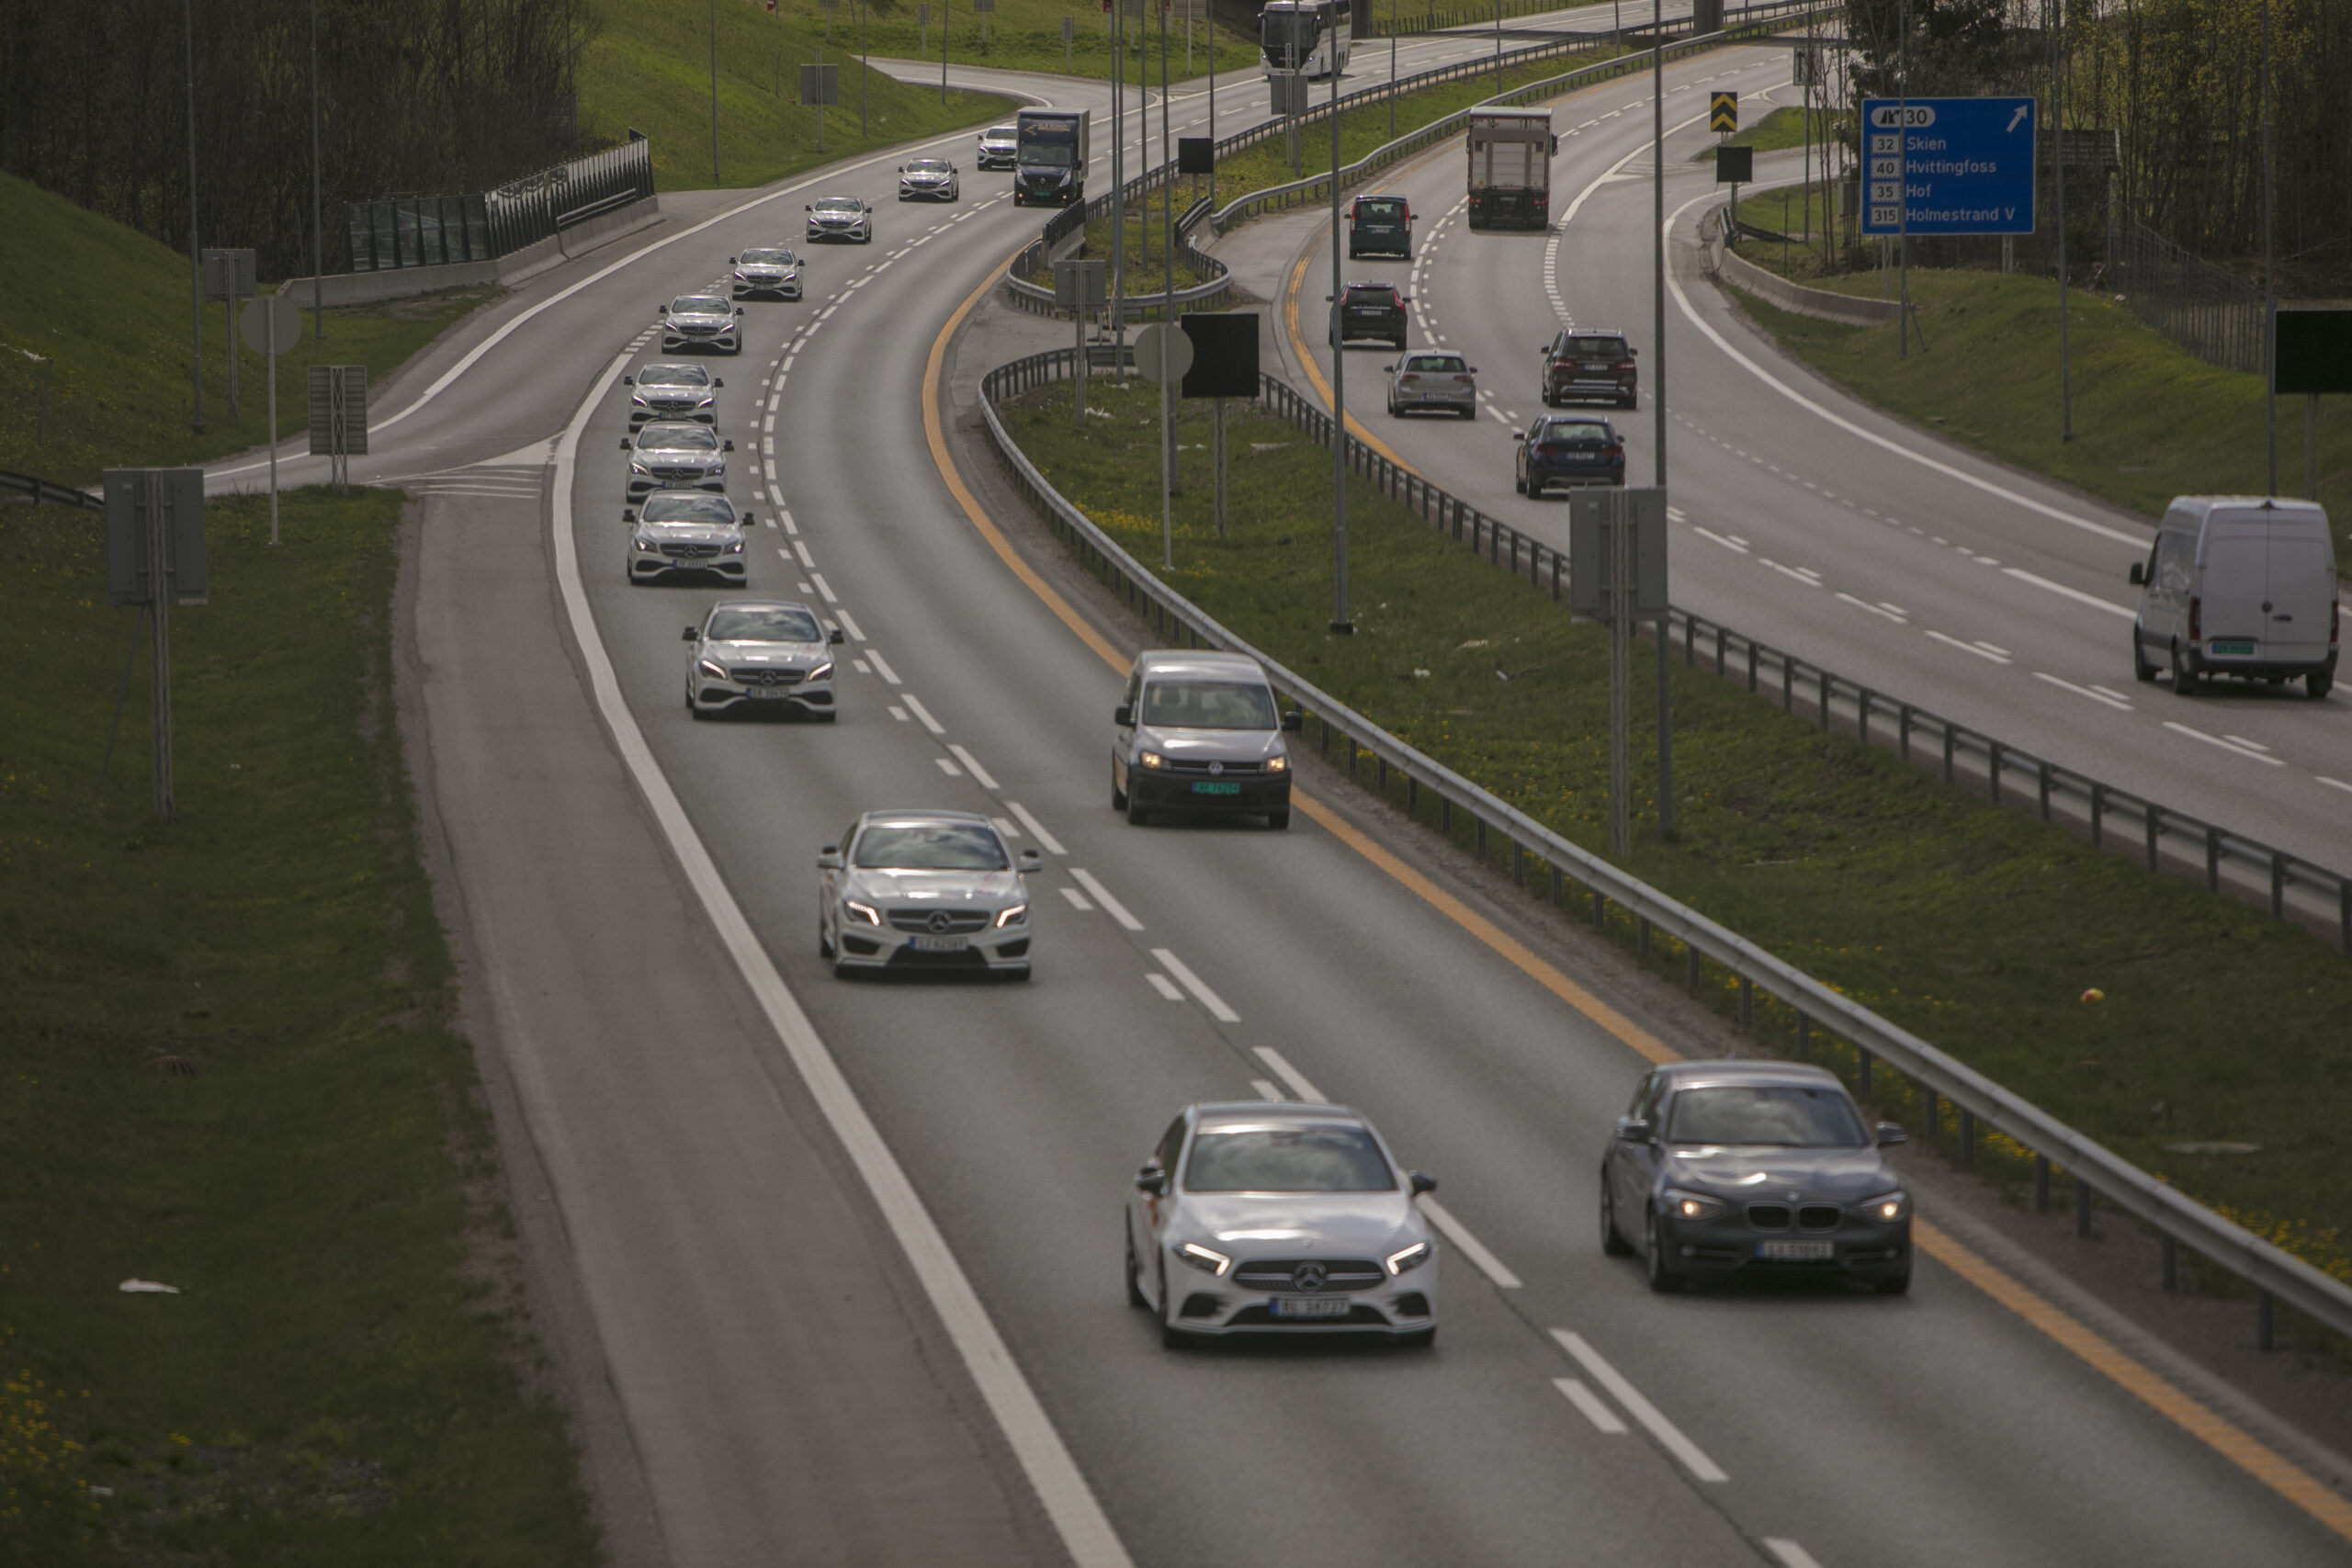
x=1252, y=1218
x=924, y=890
x=757, y=655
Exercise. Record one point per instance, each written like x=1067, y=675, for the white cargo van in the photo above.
x=2238, y=585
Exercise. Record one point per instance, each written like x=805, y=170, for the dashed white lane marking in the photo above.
x=806, y=558
x=2084, y=692
x=1293, y=1080
x=861, y=667
x=883, y=665
x=2230, y=745
x=1986, y=654
x=950, y=769
x=1727, y=542
x=1037, y=829
x=972, y=767
x=1874, y=609
x=914, y=705
x=1162, y=984
x=823, y=587
x=2077, y=594
x=1791, y=1554
x=2333, y=783
x=1195, y=984
x=1110, y=905
x=1078, y=901
x=1589, y=1404
x=1004, y=826
x=1266, y=1090
x=857, y=634
x=897, y=712
x=1670, y=1437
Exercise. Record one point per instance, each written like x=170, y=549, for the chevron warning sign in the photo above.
x=1723, y=111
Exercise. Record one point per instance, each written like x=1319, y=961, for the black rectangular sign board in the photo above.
x=2315, y=351
x=1225, y=354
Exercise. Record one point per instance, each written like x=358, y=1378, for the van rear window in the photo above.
x=1386, y=212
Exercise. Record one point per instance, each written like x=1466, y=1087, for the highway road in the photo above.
x=848, y=1249
x=1800, y=516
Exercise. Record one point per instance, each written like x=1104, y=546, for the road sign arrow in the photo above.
x=2017, y=118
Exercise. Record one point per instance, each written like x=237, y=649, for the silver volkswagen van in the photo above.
x=2238, y=585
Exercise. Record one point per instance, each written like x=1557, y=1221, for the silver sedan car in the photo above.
x=1433, y=383
x=924, y=890
x=675, y=455
x=839, y=217
x=773, y=271
x=930, y=179
x=1252, y=1218
x=673, y=390
x=759, y=655
x=685, y=532
x=702, y=320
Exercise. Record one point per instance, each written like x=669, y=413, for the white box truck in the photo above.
x=1511, y=168
x=1050, y=157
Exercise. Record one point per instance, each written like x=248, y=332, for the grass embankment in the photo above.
x=1784, y=128
x=1026, y=35
x=2151, y=421
x=1977, y=928
x=648, y=68
x=229, y=1069
x=108, y=307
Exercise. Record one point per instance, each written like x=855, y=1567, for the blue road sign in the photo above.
x=1959, y=165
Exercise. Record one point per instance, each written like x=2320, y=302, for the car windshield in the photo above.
x=1576, y=434
x=1438, y=361
x=767, y=258
x=998, y=133
x=1325, y=1158
x=1385, y=212
x=764, y=623
x=674, y=437
x=673, y=376
x=1596, y=347
x=687, y=506
x=1049, y=155
x=837, y=204
x=931, y=846
x=928, y=166
x=699, y=305
x=1208, y=704
x=1780, y=1116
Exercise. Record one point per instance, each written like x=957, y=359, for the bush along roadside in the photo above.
x=230, y=1072
x=2063, y=973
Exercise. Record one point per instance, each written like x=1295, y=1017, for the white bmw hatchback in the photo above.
x=1252, y=1218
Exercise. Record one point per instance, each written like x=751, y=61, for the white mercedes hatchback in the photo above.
x=924, y=890
x=1252, y=1218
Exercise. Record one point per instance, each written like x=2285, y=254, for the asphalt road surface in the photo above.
x=849, y=1247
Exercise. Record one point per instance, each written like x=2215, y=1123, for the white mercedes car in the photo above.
x=761, y=655
x=924, y=890
x=839, y=217
x=1252, y=1218
x=701, y=320
x=933, y=179
x=675, y=455
x=685, y=531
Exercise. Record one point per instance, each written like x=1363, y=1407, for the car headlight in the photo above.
x=866, y=912
x=705, y=402
x=637, y=467
x=636, y=400
x=1278, y=764
x=1695, y=1205
x=1887, y=1207
x=1206, y=1259
x=712, y=668
x=644, y=545
x=1152, y=759
x=1412, y=1258
x=822, y=673
x=736, y=549
x=1016, y=915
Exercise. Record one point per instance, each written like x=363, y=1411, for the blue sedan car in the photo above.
x=1561, y=451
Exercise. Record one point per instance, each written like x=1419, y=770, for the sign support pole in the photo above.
x=1341, y=623
x=1220, y=457
x=269, y=319
x=1657, y=399
x=159, y=610
x=1620, y=678
x=2058, y=165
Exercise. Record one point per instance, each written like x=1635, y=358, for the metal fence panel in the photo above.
x=436, y=231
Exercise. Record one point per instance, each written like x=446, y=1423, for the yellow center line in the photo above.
x=2232, y=1442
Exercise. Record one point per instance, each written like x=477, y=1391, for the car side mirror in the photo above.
x=739, y=309
x=1889, y=1133
x=628, y=380
x=806, y=208
x=717, y=383
x=2138, y=575
x=727, y=446
x=1422, y=1182
x=1293, y=721
x=1474, y=371
x=751, y=520
x=1151, y=1179
x=664, y=310
x=1633, y=354
x=626, y=444
x=1635, y=1130
x=688, y=635
x=1391, y=369
x=1030, y=860
x=731, y=261
x=833, y=638
x=628, y=513
x=829, y=858
x=1124, y=716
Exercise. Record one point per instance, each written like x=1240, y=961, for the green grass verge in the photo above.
x=1977, y=928
x=108, y=307
x=648, y=69
x=2151, y=421
x=1784, y=128
x=1026, y=35
x=229, y=1069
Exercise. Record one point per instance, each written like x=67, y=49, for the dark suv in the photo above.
x=1582, y=364
x=1569, y=450
x=1372, y=309
x=1380, y=226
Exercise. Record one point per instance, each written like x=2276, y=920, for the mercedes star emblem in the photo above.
x=1308, y=1276
x=940, y=922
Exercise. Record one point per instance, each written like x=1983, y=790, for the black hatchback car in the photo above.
x=1564, y=451
x=1586, y=365
x=1380, y=226
x=1372, y=309
x=1754, y=1167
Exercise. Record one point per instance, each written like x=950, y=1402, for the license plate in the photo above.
x=1796, y=1251
x=1309, y=1306
x=766, y=692
x=2243, y=649
x=1206, y=787
x=941, y=943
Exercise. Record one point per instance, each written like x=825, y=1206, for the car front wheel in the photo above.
x=2141, y=671
x=1171, y=1337
x=1664, y=1280
x=1612, y=1242
x=2183, y=679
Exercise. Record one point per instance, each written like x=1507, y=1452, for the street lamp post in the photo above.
x=318, y=230
x=194, y=259
x=1657, y=390
x=714, y=92
x=1339, y=621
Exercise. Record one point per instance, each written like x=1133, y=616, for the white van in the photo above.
x=2238, y=585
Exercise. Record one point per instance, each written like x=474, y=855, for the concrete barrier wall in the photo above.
x=406, y=283
x=1728, y=266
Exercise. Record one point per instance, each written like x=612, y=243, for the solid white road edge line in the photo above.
x=972, y=767
x=1078, y=1516
x=1085, y=879
x=1293, y=1080
x=1195, y=984
x=1791, y=1554
x=1037, y=829
x=1164, y=986
x=921, y=712
x=1585, y=1400
x=2224, y=745
x=1469, y=1245
x=1668, y=1435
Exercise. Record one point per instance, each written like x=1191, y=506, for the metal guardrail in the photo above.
x=48, y=491
x=2273, y=1272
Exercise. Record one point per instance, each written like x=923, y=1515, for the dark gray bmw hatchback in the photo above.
x=1754, y=1168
